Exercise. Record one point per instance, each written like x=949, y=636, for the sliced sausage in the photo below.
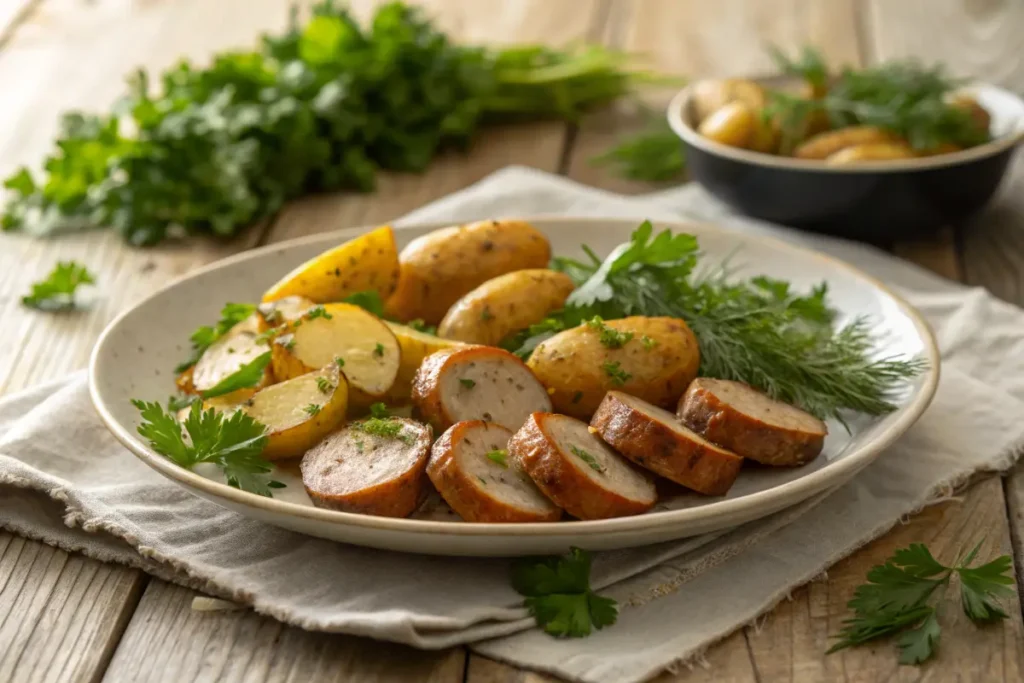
x=654, y=438
x=471, y=469
x=477, y=383
x=578, y=471
x=749, y=423
x=373, y=467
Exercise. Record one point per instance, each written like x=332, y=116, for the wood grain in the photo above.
x=60, y=615
x=166, y=641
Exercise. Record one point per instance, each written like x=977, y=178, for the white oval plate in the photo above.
x=135, y=354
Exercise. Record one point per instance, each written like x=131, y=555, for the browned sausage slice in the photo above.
x=654, y=438
x=747, y=422
x=373, y=467
x=578, y=471
x=477, y=383
x=471, y=469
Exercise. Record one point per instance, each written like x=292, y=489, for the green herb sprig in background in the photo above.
x=57, y=291
x=321, y=106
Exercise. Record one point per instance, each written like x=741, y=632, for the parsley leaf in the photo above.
x=468, y=383
x=557, y=594
x=57, y=291
x=420, y=326
x=378, y=350
x=896, y=600
x=234, y=443
x=176, y=403
x=205, y=336
x=379, y=410
x=318, y=311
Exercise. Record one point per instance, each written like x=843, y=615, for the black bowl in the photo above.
x=877, y=201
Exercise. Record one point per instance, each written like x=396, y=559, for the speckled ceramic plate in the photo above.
x=134, y=356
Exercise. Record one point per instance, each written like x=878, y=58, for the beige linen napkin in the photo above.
x=58, y=464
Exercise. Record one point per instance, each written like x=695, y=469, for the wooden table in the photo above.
x=64, y=617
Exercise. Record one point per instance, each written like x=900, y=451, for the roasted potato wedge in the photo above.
x=300, y=411
x=710, y=96
x=439, y=268
x=505, y=304
x=656, y=364
x=734, y=125
x=368, y=262
x=368, y=349
x=824, y=145
x=273, y=314
x=415, y=346
x=876, y=151
x=226, y=355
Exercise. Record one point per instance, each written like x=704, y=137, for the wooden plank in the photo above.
x=60, y=614
x=63, y=614
x=791, y=643
x=169, y=642
x=675, y=37
x=221, y=646
x=727, y=662
x=552, y=22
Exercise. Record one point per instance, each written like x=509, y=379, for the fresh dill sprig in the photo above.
x=653, y=155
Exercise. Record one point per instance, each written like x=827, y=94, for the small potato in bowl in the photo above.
x=652, y=358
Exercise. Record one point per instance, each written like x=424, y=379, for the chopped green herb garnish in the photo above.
x=468, y=383
x=286, y=340
x=57, y=291
x=616, y=373
x=609, y=337
x=558, y=594
x=482, y=480
x=389, y=428
x=369, y=301
x=359, y=445
x=249, y=375
x=420, y=326
x=317, y=311
x=577, y=396
x=339, y=361
x=648, y=342
x=378, y=350
x=312, y=409
x=176, y=403
x=486, y=314
x=379, y=410
x=324, y=385
x=587, y=458
x=499, y=456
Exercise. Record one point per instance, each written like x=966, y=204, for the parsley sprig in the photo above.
x=757, y=331
x=897, y=599
x=558, y=594
x=57, y=291
x=234, y=443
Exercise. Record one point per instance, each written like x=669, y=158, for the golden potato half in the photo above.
x=368, y=262
x=367, y=348
x=300, y=411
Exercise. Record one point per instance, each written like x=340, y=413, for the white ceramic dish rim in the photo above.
x=1014, y=136
x=793, y=491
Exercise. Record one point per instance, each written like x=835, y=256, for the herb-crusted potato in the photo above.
x=345, y=335
x=652, y=358
x=368, y=262
x=439, y=268
x=300, y=411
x=505, y=304
x=415, y=346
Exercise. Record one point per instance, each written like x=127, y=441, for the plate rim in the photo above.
x=793, y=491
